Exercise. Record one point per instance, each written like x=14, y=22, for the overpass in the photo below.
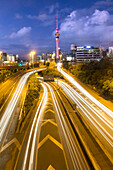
x=14, y=68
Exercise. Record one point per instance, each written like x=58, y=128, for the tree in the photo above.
x=109, y=72
x=65, y=65
x=106, y=86
x=111, y=88
x=47, y=64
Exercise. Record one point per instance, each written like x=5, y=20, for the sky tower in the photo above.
x=57, y=34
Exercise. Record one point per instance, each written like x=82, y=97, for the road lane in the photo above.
x=36, y=120
x=4, y=122
x=101, y=127
x=44, y=146
x=50, y=152
x=100, y=105
x=30, y=157
x=74, y=152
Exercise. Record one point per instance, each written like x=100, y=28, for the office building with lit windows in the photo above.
x=88, y=53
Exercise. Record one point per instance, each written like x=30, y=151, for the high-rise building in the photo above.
x=110, y=53
x=73, y=51
x=57, y=34
x=73, y=48
x=6, y=58
x=88, y=53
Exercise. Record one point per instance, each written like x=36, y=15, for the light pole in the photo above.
x=1, y=57
x=32, y=54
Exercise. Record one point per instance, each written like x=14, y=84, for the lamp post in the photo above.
x=32, y=53
x=1, y=57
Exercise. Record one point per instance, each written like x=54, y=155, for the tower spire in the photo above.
x=57, y=34
x=57, y=21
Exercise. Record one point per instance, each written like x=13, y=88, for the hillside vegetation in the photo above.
x=52, y=71
x=99, y=75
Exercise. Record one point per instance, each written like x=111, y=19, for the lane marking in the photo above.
x=10, y=143
x=49, y=121
x=50, y=168
x=49, y=110
x=52, y=139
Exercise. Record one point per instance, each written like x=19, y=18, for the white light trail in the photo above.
x=100, y=105
x=93, y=109
x=36, y=127
x=72, y=147
x=10, y=108
x=36, y=120
x=88, y=113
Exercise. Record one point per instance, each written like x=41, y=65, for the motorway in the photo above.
x=10, y=113
x=7, y=88
x=51, y=142
x=49, y=137
x=98, y=118
x=57, y=136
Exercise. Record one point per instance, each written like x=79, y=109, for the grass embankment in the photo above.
x=5, y=74
x=52, y=71
x=97, y=75
x=32, y=95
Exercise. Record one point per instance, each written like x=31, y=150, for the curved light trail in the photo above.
x=41, y=108
x=73, y=149
x=100, y=105
x=74, y=153
x=10, y=108
x=103, y=126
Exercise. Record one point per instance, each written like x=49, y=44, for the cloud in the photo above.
x=46, y=19
x=41, y=17
x=99, y=17
x=22, y=32
x=65, y=11
x=87, y=29
x=18, y=16
x=52, y=8
x=101, y=3
x=32, y=17
x=46, y=16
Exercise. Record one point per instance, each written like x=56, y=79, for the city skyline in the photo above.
x=31, y=25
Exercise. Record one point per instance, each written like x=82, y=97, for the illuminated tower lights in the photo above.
x=57, y=34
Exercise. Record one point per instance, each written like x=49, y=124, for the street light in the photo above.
x=0, y=54
x=1, y=58
x=32, y=53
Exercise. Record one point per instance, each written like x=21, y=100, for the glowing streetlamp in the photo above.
x=32, y=53
x=0, y=54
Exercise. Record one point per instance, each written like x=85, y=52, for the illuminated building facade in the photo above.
x=88, y=53
x=7, y=59
x=110, y=53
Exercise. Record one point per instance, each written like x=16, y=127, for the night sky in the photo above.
x=30, y=24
